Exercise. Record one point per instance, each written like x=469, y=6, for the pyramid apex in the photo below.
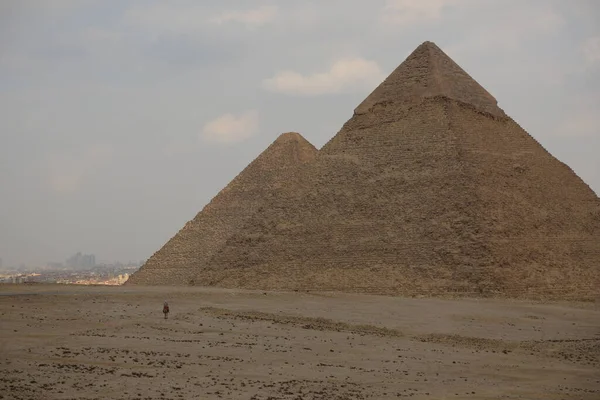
x=289, y=147
x=290, y=136
x=428, y=43
x=429, y=72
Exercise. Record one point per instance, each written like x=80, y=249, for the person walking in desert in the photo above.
x=166, y=310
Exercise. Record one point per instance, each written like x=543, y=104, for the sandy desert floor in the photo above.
x=77, y=342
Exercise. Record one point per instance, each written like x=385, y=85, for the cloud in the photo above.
x=508, y=31
x=193, y=17
x=67, y=172
x=343, y=75
x=580, y=117
x=165, y=17
x=591, y=50
x=44, y=7
x=547, y=22
x=229, y=128
x=255, y=17
x=585, y=123
x=177, y=148
x=411, y=12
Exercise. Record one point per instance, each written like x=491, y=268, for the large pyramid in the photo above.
x=273, y=173
x=429, y=188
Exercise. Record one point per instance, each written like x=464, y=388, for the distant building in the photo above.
x=0, y=262
x=79, y=260
x=55, y=265
x=89, y=261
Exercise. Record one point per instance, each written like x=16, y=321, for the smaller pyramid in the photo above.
x=272, y=173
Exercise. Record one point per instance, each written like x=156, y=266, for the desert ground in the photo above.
x=78, y=342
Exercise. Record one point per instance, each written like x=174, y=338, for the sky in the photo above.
x=120, y=120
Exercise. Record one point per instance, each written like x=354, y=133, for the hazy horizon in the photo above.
x=120, y=120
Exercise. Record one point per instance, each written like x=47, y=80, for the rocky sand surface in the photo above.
x=76, y=342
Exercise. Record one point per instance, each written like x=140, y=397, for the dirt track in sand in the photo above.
x=73, y=342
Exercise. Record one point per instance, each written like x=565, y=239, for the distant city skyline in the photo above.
x=79, y=260
x=109, y=275
x=75, y=261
